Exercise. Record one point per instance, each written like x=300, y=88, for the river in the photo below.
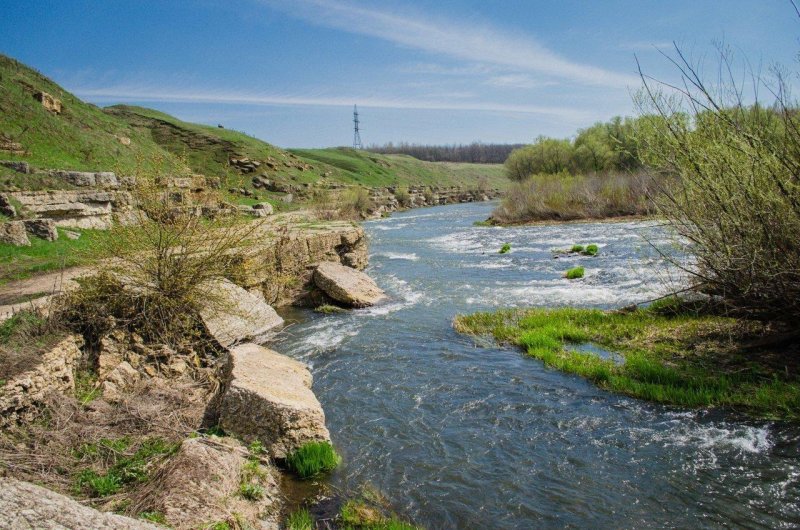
x=462, y=436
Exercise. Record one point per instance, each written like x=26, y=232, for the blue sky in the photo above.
x=423, y=71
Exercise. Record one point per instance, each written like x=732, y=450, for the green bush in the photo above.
x=574, y=273
x=591, y=250
x=505, y=249
x=577, y=248
x=312, y=459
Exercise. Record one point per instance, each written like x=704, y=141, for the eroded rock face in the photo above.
x=43, y=228
x=51, y=103
x=77, y=209
x=347, y=285
x=26, y=506
x=54, y=372
x=200, y=484
x=13, y=233
x=270, y=399
x=237, y=315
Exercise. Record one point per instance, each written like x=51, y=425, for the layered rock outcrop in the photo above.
x=77, y=209
x=23, y=394
x=269, y=399
x=347, y=285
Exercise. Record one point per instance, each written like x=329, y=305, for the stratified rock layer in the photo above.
x=270, y=399
x=347, y=285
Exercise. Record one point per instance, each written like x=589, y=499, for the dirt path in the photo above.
x=36, y=291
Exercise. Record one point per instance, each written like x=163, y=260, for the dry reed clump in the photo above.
x=71, y=441
x=23, y=339
x=565, y=197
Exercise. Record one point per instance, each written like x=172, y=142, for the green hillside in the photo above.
x=81, y=137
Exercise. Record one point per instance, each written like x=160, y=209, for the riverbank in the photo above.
x=671, y=352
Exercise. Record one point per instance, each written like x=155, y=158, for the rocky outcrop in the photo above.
x=16, y=165
x=234, y=315
x=42, y=228
x=200, y=484
x=26, y=506
x=86, y=179
x=24, y=393
x=280, y=264
x=14, y=233
x=51, y=103
x=269, y=399
x=386, y=199
x=76, y=209
x=347, y=285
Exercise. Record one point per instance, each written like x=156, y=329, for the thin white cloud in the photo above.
x=146, y=94
x=517, y=81
x=475, y=43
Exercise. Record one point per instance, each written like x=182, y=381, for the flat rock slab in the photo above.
x=26, y=506
x=270, y=399
x=237, y=315
x=347, y=285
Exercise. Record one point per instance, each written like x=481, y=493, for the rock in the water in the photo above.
x=26, y=506
x=234, y=315
x=13, y=233
x=43, y=228
x=270, y=399
x=347, y=285
x=201, y=484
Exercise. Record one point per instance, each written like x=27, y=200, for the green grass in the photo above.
x=591, y=250
x=86, y=389
x=574, y=273
x=251, y=492
x=671, y=355
x=577, y=248
x=505, y=249
x=361, y=515
x=313, y=459
x=328, y=309
x=300, y=520
x=154, y=517
x=82, y=137
x=42, y=256
x=121, y=466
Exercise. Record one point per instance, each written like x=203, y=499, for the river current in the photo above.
x=459, y=435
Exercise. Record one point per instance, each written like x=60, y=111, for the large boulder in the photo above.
x=269, y=398
x=234, y=315
x=347, y=285
x=26, y=506
x=13, y=233
x=200, y=484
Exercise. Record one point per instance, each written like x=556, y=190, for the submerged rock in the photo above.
x=347, y=285
x=24, y=505
x=237, y=315
x=270, y=399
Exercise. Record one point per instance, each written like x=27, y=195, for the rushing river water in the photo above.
x=459, y=436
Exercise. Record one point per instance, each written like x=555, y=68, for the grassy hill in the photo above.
x=118, y=138
x=81, y=137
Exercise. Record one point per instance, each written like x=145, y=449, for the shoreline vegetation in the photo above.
x=673, y=352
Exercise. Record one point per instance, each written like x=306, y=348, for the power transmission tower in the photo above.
x=357, y=133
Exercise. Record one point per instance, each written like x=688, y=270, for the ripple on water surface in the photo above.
x=464, y=437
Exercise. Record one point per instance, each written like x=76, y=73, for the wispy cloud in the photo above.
x=517, y=81
x=149, y=93
x=475, y=43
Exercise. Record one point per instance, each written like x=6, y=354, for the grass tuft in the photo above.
x=577, y=248
x=313, y=459
x=574, y=273
x=300, y=520
x=591, y=250
x=506, y=248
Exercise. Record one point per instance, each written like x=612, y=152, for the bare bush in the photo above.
x=567, y=197
x=738, y=197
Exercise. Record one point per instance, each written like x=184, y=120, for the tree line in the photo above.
x=476, y=152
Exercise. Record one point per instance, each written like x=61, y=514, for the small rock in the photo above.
x=264, y=206
x=72, y=235
x=288, y=198
x=49, y=102
x=14, y=233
